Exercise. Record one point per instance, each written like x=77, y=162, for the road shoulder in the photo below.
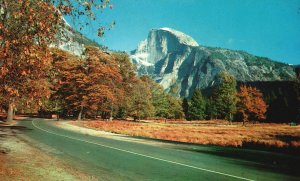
x=22, y=159
x=99, y=133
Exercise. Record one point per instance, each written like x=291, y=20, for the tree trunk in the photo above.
x=80, y=114
x=111, y=112
x=10, y=112
x=138, y=113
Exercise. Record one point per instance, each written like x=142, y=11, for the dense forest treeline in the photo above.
x=283, y=98
x=105, y=85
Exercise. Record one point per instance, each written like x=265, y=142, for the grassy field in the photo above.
x=214, y=132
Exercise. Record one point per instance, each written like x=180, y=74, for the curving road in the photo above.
x=115, y=159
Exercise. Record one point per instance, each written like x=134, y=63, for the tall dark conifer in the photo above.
x=197, y=107
x=224, y=96
x=185, y=108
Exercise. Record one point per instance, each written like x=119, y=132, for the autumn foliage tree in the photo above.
x=129, y=79
x=90, y=85
x=175, y=109
x=69, y=81
x=140, y=105
x=27, y=28
x=250, y=104
x=104, y=81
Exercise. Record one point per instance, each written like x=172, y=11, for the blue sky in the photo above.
x=269, y=28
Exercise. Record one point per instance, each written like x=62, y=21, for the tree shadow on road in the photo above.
x=12, y=130
x=260, y=160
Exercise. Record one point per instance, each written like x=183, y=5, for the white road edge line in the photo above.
x=139, y=154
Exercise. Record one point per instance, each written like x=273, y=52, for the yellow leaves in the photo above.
x=87, y=6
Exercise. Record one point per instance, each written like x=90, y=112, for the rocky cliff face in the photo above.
x=180, y=65
x=72, y=41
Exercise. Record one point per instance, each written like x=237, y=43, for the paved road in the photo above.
x=110, y=159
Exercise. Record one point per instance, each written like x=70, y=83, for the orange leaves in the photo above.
x=11, y=91
x=17, y=14
x=103, y=76
x=30, y=27
x=65, y=9
x=4, y=71
x=23, y=76
x=94, y=83
x=251, y=104
x=42, y=25
x=23, y=72
x=22, y=60
x=7, y=43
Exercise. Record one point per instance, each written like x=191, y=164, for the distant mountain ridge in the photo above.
x=177, y=62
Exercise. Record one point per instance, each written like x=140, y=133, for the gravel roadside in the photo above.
x=23, y=159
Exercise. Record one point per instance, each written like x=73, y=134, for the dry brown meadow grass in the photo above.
x=214, y=132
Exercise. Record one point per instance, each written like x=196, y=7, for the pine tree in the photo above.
x=224, y=96
x=211, y=110
x=197, y=107
x=185, y=108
